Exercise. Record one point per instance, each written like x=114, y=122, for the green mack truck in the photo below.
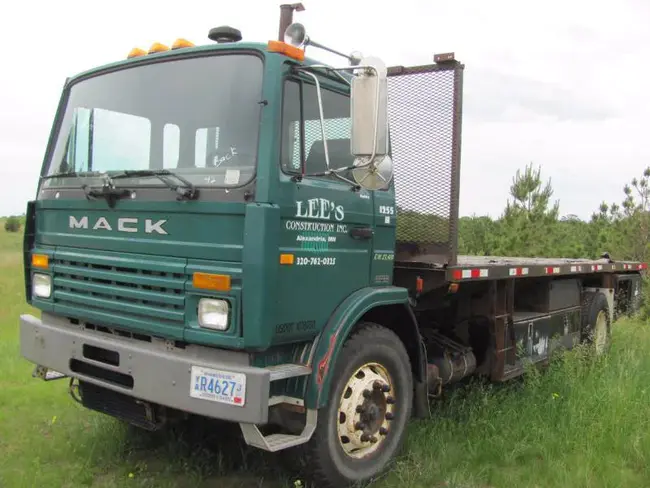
x=239, y=232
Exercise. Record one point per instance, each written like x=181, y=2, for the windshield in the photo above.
x=196, y=117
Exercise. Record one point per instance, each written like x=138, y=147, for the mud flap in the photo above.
x=421, y=400
x=421, y=389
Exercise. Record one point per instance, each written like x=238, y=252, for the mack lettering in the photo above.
x=124, y=224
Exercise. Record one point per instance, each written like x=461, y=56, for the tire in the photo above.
x=369, y=349
x=596, y=327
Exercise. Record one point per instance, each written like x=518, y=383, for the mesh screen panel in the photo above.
x=424, y=116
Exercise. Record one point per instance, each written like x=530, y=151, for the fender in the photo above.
x=331, y=339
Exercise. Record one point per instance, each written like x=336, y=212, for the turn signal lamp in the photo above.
x=40, y=261
x=136, y=52
x=209, y=281
x=288, y=50
x=181, y=43
x=157, y=47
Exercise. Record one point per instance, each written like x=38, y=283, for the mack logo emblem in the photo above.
x=124, y=224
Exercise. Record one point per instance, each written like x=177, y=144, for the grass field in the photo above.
x=580, y=424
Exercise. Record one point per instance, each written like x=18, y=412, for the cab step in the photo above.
x=284, y=371
x=277, y=442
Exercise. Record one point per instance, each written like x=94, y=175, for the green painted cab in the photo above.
x=198, y=161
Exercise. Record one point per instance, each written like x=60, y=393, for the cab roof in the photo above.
x=259, y=47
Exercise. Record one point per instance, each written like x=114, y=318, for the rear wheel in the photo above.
x=596, y=323
x=364, y=423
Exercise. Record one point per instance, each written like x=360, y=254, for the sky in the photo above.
x=561, y=85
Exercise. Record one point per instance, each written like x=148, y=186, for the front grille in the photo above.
x=120, y=291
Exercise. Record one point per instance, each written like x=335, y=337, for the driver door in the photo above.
x=326, y=225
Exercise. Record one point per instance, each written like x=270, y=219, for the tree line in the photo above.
x=531, y=226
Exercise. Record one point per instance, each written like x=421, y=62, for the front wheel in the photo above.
x=364, y=423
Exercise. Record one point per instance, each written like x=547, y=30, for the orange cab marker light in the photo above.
x=136, y=52
x=209, y=281
x=286, y=258
x=40, y=261
x=181, y=43
x=157, y=47
x=286, y=49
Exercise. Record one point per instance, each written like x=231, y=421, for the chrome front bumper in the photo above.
x=155, y=371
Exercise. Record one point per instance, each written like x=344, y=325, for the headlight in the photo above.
x=213, y=314
x=41, y=285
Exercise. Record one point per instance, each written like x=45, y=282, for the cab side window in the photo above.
x=303, y=136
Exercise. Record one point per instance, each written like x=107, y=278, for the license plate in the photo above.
x=218, y=386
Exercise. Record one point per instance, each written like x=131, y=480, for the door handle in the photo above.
x=361, y=232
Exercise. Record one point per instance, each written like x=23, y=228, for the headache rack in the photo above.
x=425, y=115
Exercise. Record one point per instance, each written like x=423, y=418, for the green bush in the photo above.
x=12, y=224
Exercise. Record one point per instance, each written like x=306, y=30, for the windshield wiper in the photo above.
x=71, y=174
x=108, y=191
x=185, y=191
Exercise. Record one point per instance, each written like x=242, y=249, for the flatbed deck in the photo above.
x=491, y=267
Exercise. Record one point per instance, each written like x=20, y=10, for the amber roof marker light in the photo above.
x=286, y=49
x=158, y=47
x=181, y=43
x=136, y=52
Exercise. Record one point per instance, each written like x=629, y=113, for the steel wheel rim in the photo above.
x=600, y=332
x=366, y=410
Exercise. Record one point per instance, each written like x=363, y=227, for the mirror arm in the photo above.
x=377, y=92
x=330, y=69
x=307, y=71
x=322, y=116
x=355, y=185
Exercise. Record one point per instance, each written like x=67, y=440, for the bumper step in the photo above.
x=283, y=371
x=278, y=442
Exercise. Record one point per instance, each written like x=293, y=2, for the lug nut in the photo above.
x=360, y=409
x=385, y=388
x=383, y=431
x=365, y=437
x=389, y=416
x=377, y=385
x=359, y=426
x=367, y=393
x=390, y=400
x=373, y=440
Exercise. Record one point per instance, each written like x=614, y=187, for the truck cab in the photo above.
x=185, y=175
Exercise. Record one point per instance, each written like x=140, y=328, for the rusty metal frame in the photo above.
x=446, y=63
